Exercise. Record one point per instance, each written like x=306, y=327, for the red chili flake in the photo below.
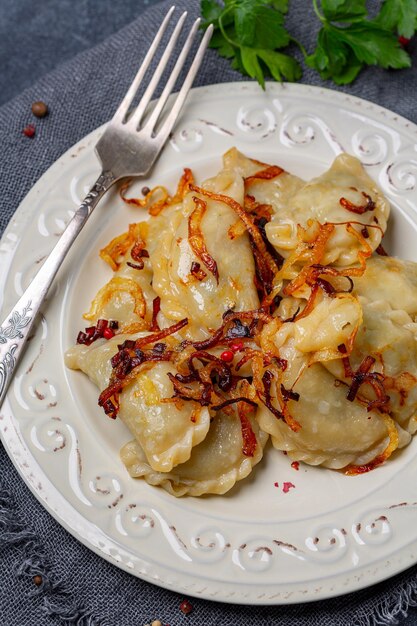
x=197, y=272
x=237, y=346
x=295, y=465
x=287, y=486
x=186, y=607
x=29, y=130
x=342, y=348
x=227, y=356
x=82, y=337
x=108, y=333
x=104, y=328
x=101, y=325
x=276, y=484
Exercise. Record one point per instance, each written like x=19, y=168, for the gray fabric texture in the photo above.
x=33, y=41
x=79, y=587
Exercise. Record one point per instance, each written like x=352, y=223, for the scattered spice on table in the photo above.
x=40, y=109
x=38, y=580
x=29, y=130
x=186, y=607
x=295, y=465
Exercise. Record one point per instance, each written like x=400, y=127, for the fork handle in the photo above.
x=17, y=325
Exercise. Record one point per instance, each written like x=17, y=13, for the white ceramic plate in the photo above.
x=329, y=535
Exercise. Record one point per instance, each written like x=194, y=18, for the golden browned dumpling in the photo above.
x=344, y=194
x=165, y=431
x=215, y=465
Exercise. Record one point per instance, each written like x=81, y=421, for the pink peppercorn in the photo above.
x=186, y=607
x=29, y=130
x=227, y=356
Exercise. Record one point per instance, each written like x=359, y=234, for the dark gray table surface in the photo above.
x=36, y=37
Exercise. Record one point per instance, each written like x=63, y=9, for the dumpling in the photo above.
x=345, y=193
x=202, y=290
x=388, y=295
x=317, y=335
x=166, y=431
x=267, y=184
x=392, y=280
x=215, y=465
x=334, y=432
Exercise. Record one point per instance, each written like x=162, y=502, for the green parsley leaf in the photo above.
x=330, y=55
x=345, y=47
x=211, y=11
x=334, y=60
x=343, y=10
x=399, y=16
x=373, y=45
x=223, y=47
x=250, y=33
x=251, y=65
x=260, y=26
x=279, y=66
x=279, y=5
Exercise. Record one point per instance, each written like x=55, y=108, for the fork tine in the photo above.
x=173, y=77
x=130, y=94
x=182, y=94
x=134, y=121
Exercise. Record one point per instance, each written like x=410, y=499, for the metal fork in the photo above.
x=128, y=147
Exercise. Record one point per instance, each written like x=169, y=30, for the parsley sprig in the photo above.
x=252, y=35
x=348, y=41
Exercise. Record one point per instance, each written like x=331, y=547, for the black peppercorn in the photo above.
x=39, y=109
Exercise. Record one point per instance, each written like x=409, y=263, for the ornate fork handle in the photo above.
x=17, y=325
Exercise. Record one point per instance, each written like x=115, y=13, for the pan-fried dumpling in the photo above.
x=268, y=184
x=202, y=299
x=317, y=336
x=166, y=431
x=345, y=193
x=388, y=295
x=392, y=280
x=334, y=432
x=215, y=465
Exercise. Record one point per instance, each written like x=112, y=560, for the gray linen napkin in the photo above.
x=76, y=586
